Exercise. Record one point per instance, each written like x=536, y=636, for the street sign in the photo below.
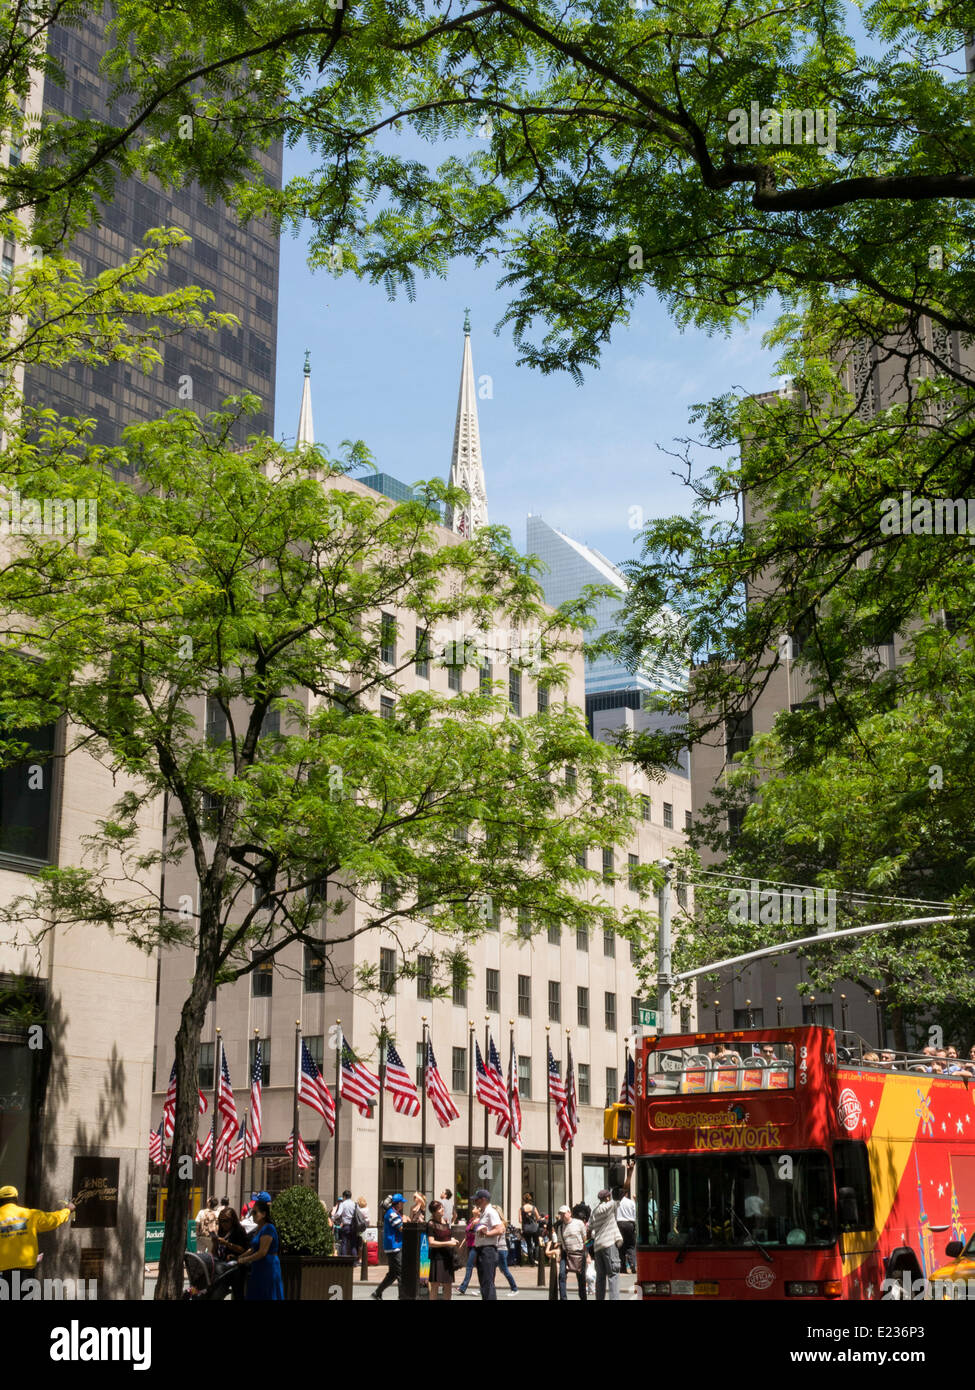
x=647, y=1018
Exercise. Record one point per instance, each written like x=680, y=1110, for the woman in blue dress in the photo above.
x=264, y=1279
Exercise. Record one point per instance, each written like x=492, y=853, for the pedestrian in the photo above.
x=529, y=1226
x=361, y=1223
x=343, y=1219
x=392, y=1244
x=19, y=1229
x=230, y=1241
x=503, y=1255
x=442, y=1246
x=418, y=1209
x=626, y=1220
x=471, y=1252
x=488, y=1234
x=606, y=1242
x=264, y=1283
x=206, y=1224
x=572, y=1238
x=447, y=1199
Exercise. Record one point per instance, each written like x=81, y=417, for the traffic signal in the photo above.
x=618, y=1124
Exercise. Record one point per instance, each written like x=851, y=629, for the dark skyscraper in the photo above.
x=238, y=263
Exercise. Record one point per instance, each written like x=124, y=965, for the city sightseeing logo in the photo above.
x=760, y=1278
x=849, y=1111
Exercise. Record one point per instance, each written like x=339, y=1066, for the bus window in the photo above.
x=853, y=1190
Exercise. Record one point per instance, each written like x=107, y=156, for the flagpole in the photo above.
x=257, y=1034
x=338, y=1111
x=568, y=1112
x=487, y=1113
x=470, y=1116
x=243, y=1159
x=423, y=1115
x=513, y=1064
x=379, y=1162
x=548, y=1122
x=294, y=1116
x=218, y=1058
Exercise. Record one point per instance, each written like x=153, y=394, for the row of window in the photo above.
x=453, y=660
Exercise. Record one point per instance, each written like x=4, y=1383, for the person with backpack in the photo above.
x=343, y=1219
x=607, y=1241
x=392, y=1244
x=529, y=1227
x=469, y=1237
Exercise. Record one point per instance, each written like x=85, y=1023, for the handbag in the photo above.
x=529, y=1224
x=573, y=1261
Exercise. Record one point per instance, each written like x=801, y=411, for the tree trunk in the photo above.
x=182, y=1158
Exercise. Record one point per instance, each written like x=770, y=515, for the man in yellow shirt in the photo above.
x=19, y=1227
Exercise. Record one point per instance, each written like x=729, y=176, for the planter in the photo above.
x=317, y=1277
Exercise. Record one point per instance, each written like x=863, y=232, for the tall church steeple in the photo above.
x=466, y=467
x=306, y=426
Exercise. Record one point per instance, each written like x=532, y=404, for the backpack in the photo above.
x=360, y=1220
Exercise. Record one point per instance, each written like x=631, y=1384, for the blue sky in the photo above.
x=583, y=457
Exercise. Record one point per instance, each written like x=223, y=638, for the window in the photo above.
x=387, y=639
x=554, y=934
x=554, y=1001
x=420, y=1065
x=582, y=939
x=492, y=991
x=459, y=982
x=853, y=1184
x=687, y=822
x=524, y=923
x=633, y=951
x=612, y=1086
x=582, y=1006
x=817, y=1013
x=314, y=971
x=265, y=1044
x=216, y=722
x=738, y=734
x=316, y=1048
x=422, y=657
x=525, y=1078
x=542, y=695
x=271, y=723
x=645, y=807
x=581, y=858
x=609, y=943
x=262, y=979
x=685, y=1018
x=571, y=779
x=635, y=1006
x=490, y=914
x=514, y=691
x=485, y=677
x=204, y=1068
x=668, y=815
x=424, y=977
x=26, y=796
x=736, y=819
x=387, y=707
x=610, y=1012
x=524, y=996
x=455, y=677
x=387, y=969
x=608, y=859
x=458, y=1068
x=583, y=1083
x=633, y=863
x=388, y=893
x=741, y=1018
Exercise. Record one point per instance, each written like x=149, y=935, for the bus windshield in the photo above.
x=735, y=1200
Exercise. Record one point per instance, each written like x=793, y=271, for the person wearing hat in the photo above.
x=607, y=1241
x=19, y=1228
x=572, y=1239
x=247, y=1215
x=392, y=1244
x=488, y=1231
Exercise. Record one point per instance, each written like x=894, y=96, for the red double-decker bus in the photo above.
x=772, y=1163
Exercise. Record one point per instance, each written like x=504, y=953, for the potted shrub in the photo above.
x=309, y=1266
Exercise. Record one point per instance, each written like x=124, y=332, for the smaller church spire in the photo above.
x=306, y=426
x=467, y=321
x=466, y=466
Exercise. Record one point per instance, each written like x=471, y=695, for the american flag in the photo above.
x=304, y=1157
x=156, y=1145
x=556, y=1086
x=440, y=1098
x=571, y=1108
x=204, y=1150
x=312, y=1089
x=256, y=1122
x=169, y=1107
x=512, y=1124
x=357, y=1083
x=628, y=1088
x=225, y=1094
x=488, y=1085
x=238, y=1147
x=400, y=1084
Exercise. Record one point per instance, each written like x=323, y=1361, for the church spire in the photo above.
x=466, y=467
x=306, y=426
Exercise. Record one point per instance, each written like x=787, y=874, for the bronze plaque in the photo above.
x=95, y=1191
x=92, y=1264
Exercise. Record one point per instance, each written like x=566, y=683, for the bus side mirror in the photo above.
x=954, y=1248
x=849, y=1211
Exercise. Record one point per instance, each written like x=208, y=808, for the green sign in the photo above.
x=647, y=1018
